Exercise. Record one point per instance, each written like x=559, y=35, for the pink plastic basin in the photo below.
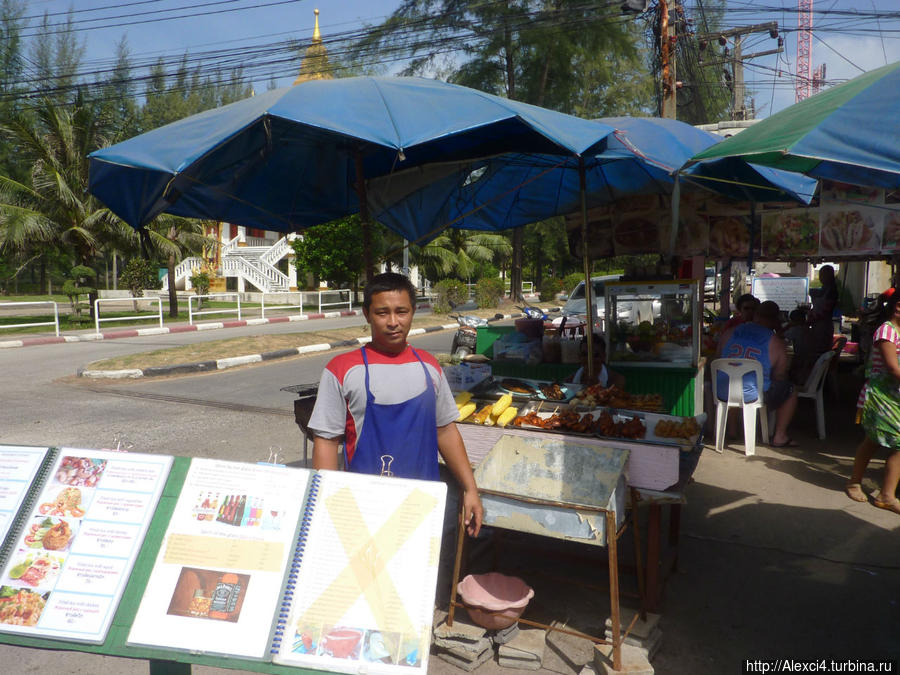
x=494, y=600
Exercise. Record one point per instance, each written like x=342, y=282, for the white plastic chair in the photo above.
x=735, y=369
x=814, y=386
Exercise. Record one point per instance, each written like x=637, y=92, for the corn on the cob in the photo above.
x=462, y=398
x=466, y=410
x=502, y=404
x=482, y=414
x=507, y=416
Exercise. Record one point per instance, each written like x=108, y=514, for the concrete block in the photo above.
x=528, y=643
x=634, y=661
x=462, y=659
x=519, y=664
x=472, y=646
x=501, y=637
x=641, y=629
x=462, y=628
x=647, y=643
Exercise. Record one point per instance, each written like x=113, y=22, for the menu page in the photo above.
x=72, y=561
x=220, y=570
x=18, y=467
x=364, y=594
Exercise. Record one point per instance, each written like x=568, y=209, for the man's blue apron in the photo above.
x=399, y=439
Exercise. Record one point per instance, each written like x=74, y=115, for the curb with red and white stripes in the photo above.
x=234, y=361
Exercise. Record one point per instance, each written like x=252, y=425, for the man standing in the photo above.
x=757, y=340
x=824, y=301
x=390, y=404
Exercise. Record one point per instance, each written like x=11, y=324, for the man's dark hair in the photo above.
x=746, y=297
x=389, y=281
x=767, y=312
x=599, y=345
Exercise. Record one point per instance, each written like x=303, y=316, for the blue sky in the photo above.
x=847, y=45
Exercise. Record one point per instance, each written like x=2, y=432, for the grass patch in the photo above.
x=257, y=344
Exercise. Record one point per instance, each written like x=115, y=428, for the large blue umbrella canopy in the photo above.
x=848, y=133
x=642, y=157
x=290, y=158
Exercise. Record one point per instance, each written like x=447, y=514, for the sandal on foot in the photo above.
x=893, y=505
x=789, y=443
x=855, y=492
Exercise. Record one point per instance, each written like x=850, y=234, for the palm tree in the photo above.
x=457, y=253
x=172, y=238
x=51, y=207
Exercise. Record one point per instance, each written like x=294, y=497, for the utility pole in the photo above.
x=736, y=59
x=667, y=41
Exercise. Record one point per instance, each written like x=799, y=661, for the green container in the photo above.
x=487, y=336
x=541, y=371
x=676, y=385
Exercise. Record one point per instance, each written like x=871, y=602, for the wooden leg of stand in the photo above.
x=457, y=563
x=653, y=536
x=638, y=555
x=614, y=618
x=674, y=532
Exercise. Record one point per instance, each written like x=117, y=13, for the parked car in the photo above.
x=574, y=310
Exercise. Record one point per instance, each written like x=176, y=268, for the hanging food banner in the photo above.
x=693, y=228
x=792, y=233
x=833, y=193
x=636, y=224
x=729, y=237
x=850, y=231
x=890, y=239
x=599, y=233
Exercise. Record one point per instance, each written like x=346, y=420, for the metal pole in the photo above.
x=588, y=289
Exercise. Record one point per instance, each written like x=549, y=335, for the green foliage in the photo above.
x=570, y=281
x=459, y=253
x=200, y=281
x=488, y=291
x=331, y=252
x=75, y=286
x=449, y=293
x=549, y=289
x=138, y=275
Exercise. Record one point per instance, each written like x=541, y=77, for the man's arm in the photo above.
x=450, y=445
x=778, y=358
x=325, y=453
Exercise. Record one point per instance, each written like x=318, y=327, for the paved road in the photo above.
x=775, y=561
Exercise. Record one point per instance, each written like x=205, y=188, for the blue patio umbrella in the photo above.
x=642, y=157
x=296, y=157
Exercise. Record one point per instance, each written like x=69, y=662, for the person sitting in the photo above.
x=757, y=340
x=799, y=334
x=602, y=375
x=746, y=308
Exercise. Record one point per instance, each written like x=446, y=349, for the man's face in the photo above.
x=390, y=316
x=747, y=310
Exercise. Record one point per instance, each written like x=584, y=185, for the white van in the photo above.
x=574, y=309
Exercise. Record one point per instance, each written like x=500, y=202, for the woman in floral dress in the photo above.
x=880, y=407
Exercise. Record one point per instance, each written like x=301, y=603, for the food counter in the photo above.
x=655, y=340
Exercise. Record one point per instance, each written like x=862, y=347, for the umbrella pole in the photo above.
x=588, y=288
x=364, y=216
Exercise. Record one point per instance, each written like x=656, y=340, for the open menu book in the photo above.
x=73, y=524
x=322, y=569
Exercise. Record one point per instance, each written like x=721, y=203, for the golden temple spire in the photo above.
x=315, y=65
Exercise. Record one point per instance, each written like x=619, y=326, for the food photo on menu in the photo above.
x=794, y=232
x=890, y=240
x=849, y=231
x=729, y=236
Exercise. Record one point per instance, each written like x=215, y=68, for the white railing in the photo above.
x=257, y=241
x=230, y=245
x=340, y=303
x=264, y=277
x=55, y=321
x=286, y=305
x=198, y=312
x=130, y=317
x=527, y=287
x=278, y=250
x=184, y=269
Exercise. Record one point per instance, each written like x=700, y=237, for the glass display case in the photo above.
x=657, y=327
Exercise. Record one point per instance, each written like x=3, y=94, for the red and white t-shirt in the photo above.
x=393, y=378
x=885, y=332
